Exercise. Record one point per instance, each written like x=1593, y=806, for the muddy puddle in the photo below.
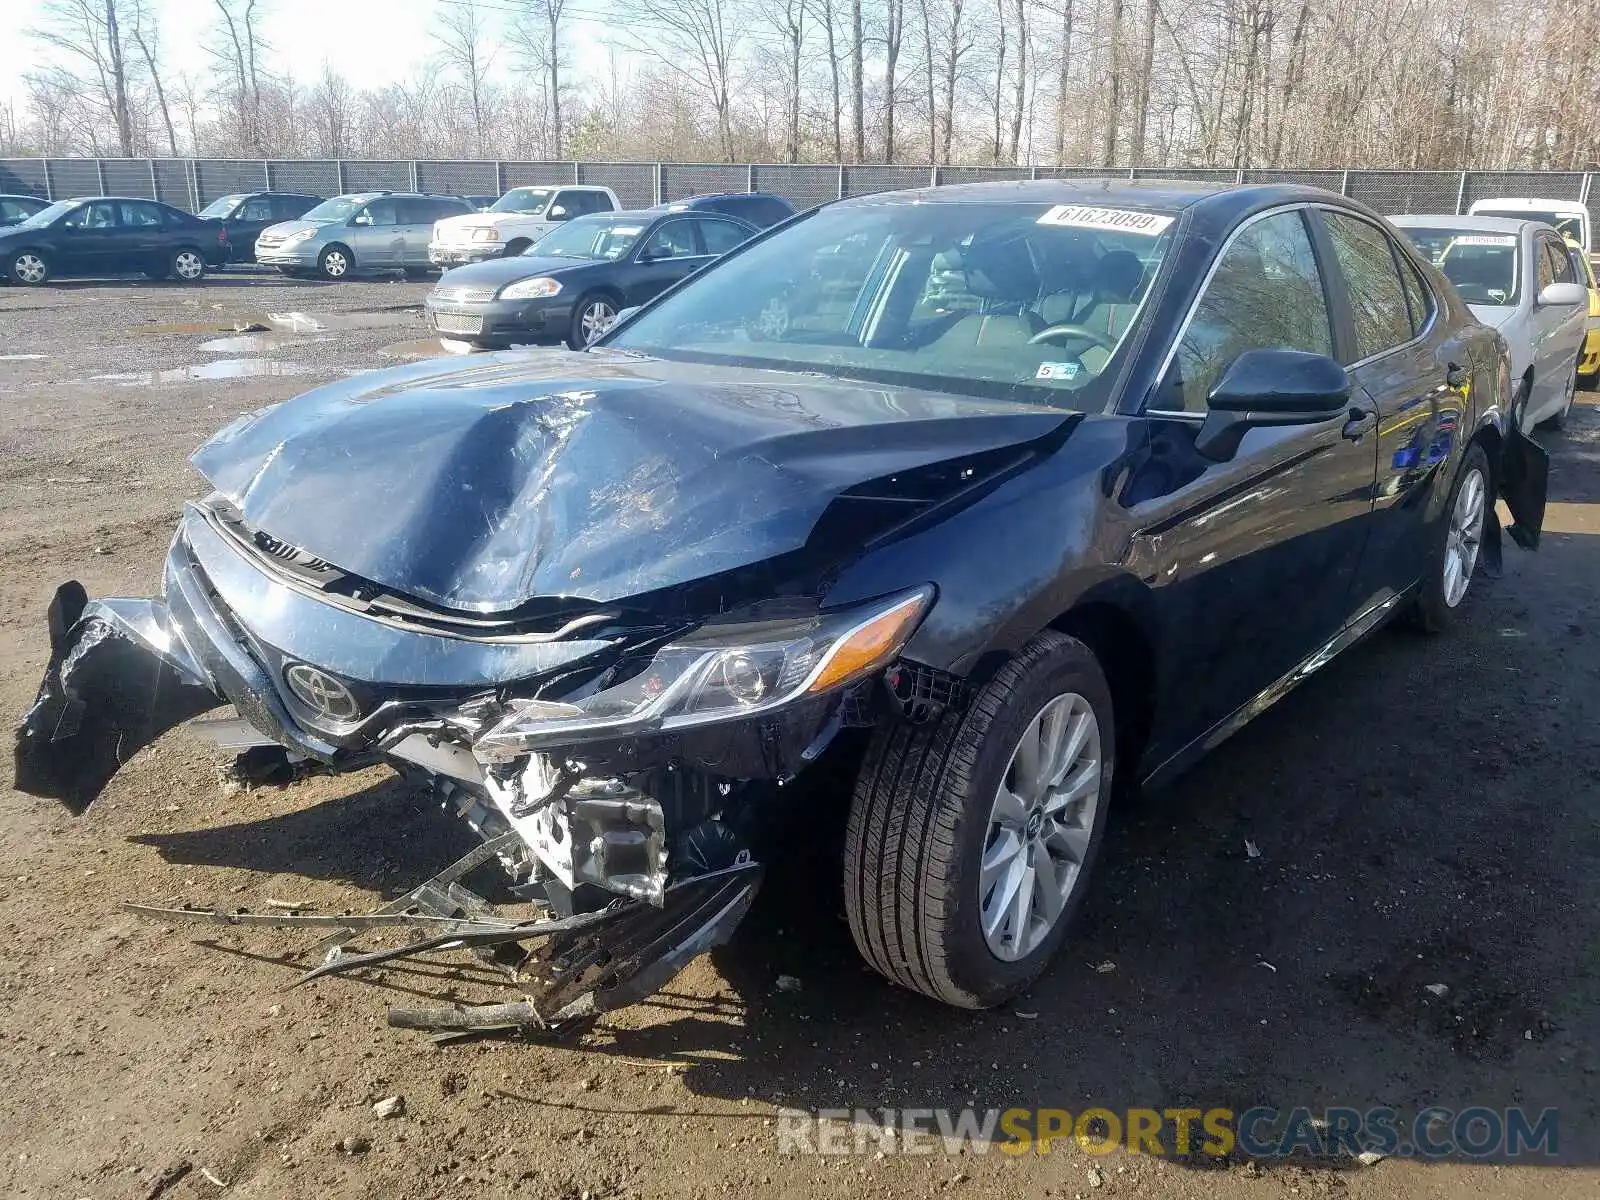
x=419, y=348
x=257, y=343
x=225, y=368
x=330, y=322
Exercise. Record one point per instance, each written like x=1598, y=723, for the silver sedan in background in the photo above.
x=358, y=234
x=1518, y=278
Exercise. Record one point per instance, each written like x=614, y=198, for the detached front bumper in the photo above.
x=301, y=254
x=452, y=256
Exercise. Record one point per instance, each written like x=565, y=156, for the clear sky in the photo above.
x=371, y=42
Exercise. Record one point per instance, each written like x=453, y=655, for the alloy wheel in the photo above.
x=596, y=319
x=772, y=322
x=29, y=268
x=189, y=265
x=1039, y=827
x=335, y=264
x=1464, y=537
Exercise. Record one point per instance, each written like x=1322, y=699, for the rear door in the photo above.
x=146, y=238
x=1413, y=379
x=90, y=240
x=423, y=213
x=1251, y=558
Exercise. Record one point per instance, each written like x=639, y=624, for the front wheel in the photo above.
x=335, y=263
x=187, y=266
x=591, y=317
x=971, y=839
x=1453, y=554
x=29, y=268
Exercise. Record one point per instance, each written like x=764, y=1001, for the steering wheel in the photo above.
x=1078, y=331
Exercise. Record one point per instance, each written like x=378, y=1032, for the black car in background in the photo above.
x=246, y=214
x=760, y=209
x=571, y=283
x=111, y=235
x=19, y=208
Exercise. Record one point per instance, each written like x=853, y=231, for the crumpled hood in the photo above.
x=595, y=476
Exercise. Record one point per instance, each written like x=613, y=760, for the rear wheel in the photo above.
x=1453, y=556
x=336, y=262
x=28, y=268
x=187, y=266
x=971, y=839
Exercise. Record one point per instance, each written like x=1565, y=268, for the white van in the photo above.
x=1569, y=217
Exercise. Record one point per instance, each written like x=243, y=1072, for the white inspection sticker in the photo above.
x=1126, y=220
x=1485, y=239
x=1066, y=370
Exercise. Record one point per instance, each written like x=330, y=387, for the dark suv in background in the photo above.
x=245, y=214
x=760, y=209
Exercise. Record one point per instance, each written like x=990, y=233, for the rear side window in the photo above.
x=257, y=208
x=1265, y=294
x=438, y=210
x=287, y=208
x=1418, y=296
x=1378, y=307
x=15, y=210
x=721, y=236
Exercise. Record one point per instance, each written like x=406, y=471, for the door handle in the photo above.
x=1361, y=422
x=1457, y=376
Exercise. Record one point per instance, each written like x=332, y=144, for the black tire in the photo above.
x=30, y=268
x=155, y=273
x=515, y=247
x=1433, y=611
x=187, y=265
x=336, y=262
x=919, y=820
x=592, y=303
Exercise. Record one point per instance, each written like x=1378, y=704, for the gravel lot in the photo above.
x=1425, y=812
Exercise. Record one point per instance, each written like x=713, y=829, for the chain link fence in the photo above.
x=192, y=183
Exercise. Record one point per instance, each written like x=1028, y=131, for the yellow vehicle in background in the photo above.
x=1589, y=356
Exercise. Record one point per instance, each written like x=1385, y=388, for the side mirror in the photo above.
x=1560, y=295
x=1271, y=387
x=361, y=218
x=556, y=213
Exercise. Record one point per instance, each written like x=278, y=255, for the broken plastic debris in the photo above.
x=1105, y=968
x=1437, y=989
x=1264, y=963
x=391, y=1106
x=1368, y=1158
x=1026, y=1016
x=1251, y=850
x=788, y=983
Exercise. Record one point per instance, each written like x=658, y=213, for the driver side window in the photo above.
x=1266, y=293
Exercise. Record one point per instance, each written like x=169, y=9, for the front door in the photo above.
x=1250, y=558
x=380, y=239
x=669, y=252
x=91, y=239
x=1557, y=331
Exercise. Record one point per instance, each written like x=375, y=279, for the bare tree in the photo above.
x=463, y=48
x=240, y=49
x=699, y=41
x=88, y=36
x=894, y=29
x=539, y=32
x=147, y=37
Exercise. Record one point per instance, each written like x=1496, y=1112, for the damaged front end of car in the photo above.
x=618, y=752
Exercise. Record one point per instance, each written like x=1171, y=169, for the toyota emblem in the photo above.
x=322, y=693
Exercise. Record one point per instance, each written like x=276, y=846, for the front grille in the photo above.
x=457, y=323
x=461, y=295
x=293, y=554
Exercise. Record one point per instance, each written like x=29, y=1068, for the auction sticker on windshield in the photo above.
x=1486, y=239
x=1127, y=220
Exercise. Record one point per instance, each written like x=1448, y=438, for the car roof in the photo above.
x=140, y=199
x=1469, y=223
x=22, y=196
x=1575, y=206
x=1226, y=200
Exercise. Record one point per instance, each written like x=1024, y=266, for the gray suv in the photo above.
x=359, y=234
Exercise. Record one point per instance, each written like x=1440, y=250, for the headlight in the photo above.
x=486, y=235
x=530, y=289
x=718, y=673
x=300, y=235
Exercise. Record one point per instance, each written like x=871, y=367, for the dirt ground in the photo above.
x=1425, y=812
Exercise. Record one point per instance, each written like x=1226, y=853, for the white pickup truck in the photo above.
x=514, y=222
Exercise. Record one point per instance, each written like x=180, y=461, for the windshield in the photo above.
x=46, y=215
x=1483, y=266
x=523, y=200
x=589, y=237
x=222, y=207
x=336, y=209
x=1566, y=224
x=1024, y=301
